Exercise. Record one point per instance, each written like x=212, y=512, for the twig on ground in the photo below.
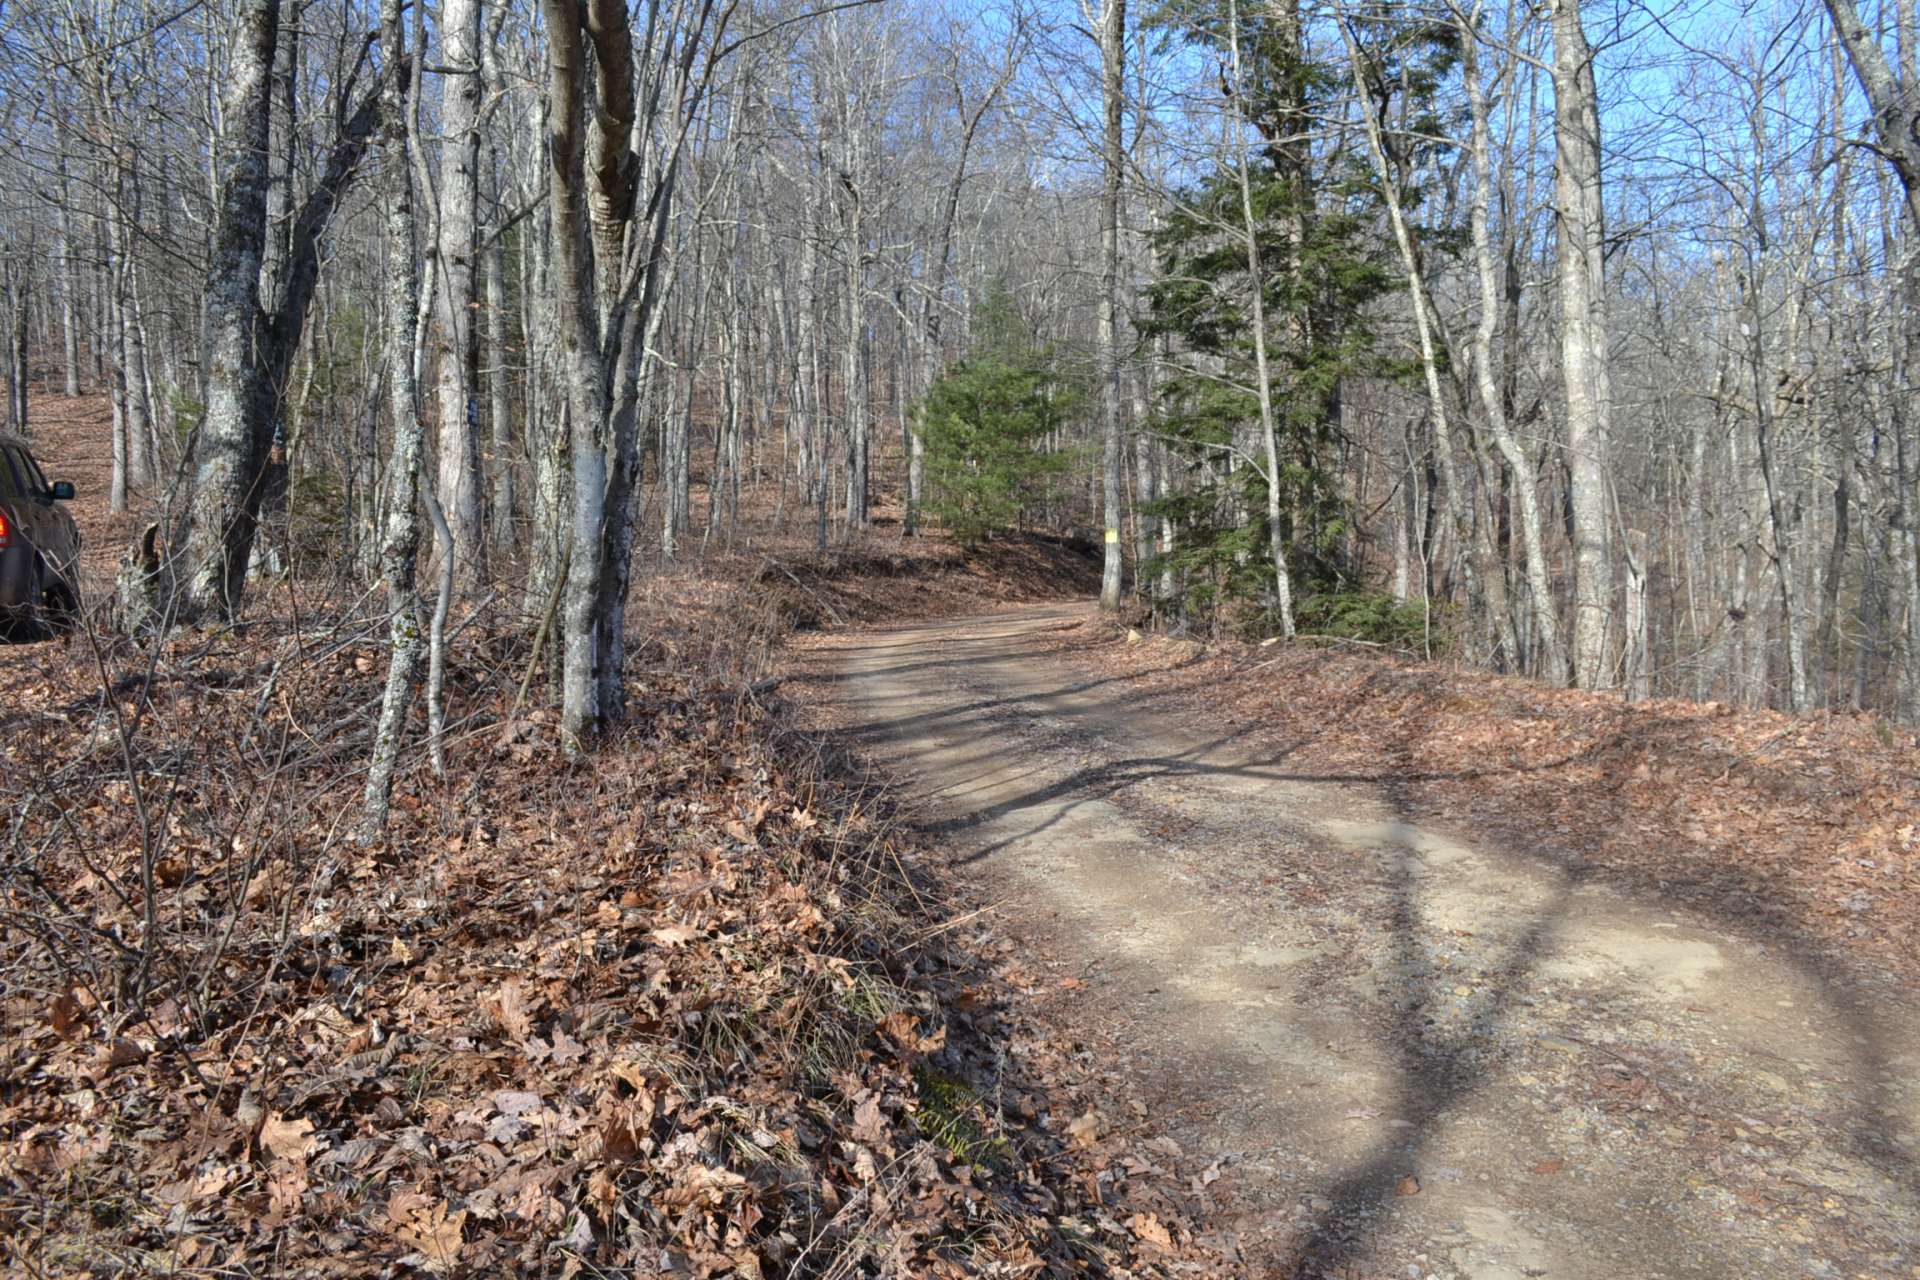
x=832, y=612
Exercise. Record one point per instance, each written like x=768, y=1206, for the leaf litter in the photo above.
x=684, y=1007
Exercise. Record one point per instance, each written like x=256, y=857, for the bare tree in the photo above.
x=1584, y=344
x=231, y=449
x=1112, y=24
x=460, y=480
x=400, y=541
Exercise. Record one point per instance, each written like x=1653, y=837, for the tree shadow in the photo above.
x=1436, y=1068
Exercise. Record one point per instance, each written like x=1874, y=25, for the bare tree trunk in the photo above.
x=142, y=463
x=459, y=485
x=230, y=452
x=1889, y=88
x=252, y=339
x=69, y=276
x=859, y=429
x=17, y=349
x=400, y=546
x=129, y=353
x=581, y=371
x=1526, y=482
x=1639, y=650
x=1263, y=379
x=500, y=405
x=1896, y=113
x=1471, y=534
x=1113, y=68
x=1584, y=340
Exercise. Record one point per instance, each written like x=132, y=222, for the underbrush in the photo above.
x=926, y=579
x=680, y=1007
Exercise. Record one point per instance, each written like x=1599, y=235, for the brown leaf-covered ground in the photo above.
x=681, y=1008
x=702, y=1004
x=1807, y=824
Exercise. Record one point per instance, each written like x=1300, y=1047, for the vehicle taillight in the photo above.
x=6, y=532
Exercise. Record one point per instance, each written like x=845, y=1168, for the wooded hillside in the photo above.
x=1583, y=337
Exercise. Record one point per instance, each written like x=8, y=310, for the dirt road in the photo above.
x=1383, y=1048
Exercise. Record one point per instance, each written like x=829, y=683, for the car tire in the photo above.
x=27, y=622
x=61, y=613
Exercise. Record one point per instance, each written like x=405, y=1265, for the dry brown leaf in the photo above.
x=566, y=1049
x=870, y=1123
x=436, y=1234
x=1085, y=1130
x=288, y=1139
x=122, y=1053
x=512, y=1010
x=1149, y=1229
x=65, y=1014
x=674, y=935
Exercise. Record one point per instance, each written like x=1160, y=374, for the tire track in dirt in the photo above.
x=1396, y=1051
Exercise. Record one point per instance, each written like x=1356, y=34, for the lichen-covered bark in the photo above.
x=581, y=372
x=230, y=451
x=1583, y=341
x=400, y=544
x=252, y=338
x=460, y=476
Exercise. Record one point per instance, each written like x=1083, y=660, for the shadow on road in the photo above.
x=1436, y=1068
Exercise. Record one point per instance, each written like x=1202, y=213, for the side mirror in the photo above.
x=63, y=490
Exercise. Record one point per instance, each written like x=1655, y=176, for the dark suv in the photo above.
x=39, y=548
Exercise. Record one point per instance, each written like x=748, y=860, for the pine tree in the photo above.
x=989, y=421
x=1315, y=217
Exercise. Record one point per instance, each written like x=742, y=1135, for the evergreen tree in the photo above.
x=1317, y=223
x=990, y=423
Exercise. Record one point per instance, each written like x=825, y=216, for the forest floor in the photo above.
x=920, y=923
x=1429, y=973
x=684, y=1007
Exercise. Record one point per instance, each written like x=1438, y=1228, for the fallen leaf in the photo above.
x=511, y=1010
x=1407, y=1186
x=1085, y=1130
x=566, y=1049
x=436, y=1235
x=869, y=1123
x=123, y=1053
x=674, y=935
x=1554, y=1165
x=65, y=1014
x=1148, y=1228
x=288, y=1139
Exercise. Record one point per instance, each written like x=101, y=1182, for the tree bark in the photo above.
x=1526, y=484
x=1580, y=269
x=1113, y=66
x=231, y=448
x=500, y=403
x=459, y=487
x=250, y=348
x=400, y=545
x=1263, y=378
